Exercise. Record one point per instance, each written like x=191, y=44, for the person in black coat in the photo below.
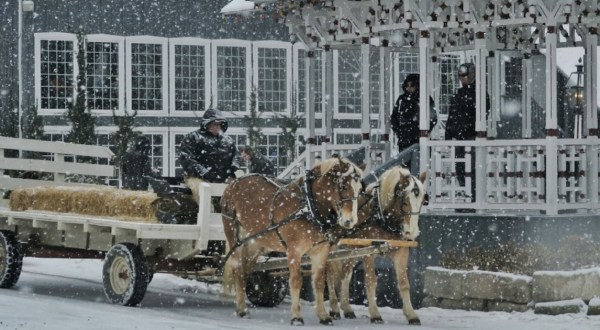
x=207, y=154
x=461, y=118
x=405, y=115
x=136, y=165
x=256, y=162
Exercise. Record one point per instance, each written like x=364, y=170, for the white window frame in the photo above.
x=352, y=131
x=215, y=44
x=121, y=41
x=164, y=131
x=165, y=73
x=52, y=36
x=207, y=73
x=288, y=63
x=336, y=88
x=296, y=48
x=172, y=148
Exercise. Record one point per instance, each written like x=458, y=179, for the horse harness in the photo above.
x=307, y=210
x=379, y=218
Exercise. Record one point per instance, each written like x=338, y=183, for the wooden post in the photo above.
x=365, y=52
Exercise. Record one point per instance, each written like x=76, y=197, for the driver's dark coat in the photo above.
x=203, y=155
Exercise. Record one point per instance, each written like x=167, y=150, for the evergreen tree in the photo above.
x=9, y=120
x=124, y=135
x=289, y=127
x=251, y=121
x=33, y=124
x=82, y=121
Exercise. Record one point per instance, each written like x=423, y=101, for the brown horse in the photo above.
x=389, y=211
x=261, y=216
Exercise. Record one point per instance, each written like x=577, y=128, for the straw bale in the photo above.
x=125, y=205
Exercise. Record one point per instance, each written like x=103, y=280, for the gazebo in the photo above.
x=546, y=168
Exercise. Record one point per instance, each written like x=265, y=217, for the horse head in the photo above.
x=337, y=189
x=402, y=196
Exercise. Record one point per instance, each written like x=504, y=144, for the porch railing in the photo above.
x=548, y=175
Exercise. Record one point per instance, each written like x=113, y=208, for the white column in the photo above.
x=591, y=79
x=365, y=49
x=480, y=114
x=551, y=122
x=310, y=108
x=385, y=78
x=20, y=67
x=591, y=118
x=424, y=88
x=327, y=99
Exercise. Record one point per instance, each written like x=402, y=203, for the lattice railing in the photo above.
x=513, y=174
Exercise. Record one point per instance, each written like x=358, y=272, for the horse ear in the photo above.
x=363, y=166
x=423, y=177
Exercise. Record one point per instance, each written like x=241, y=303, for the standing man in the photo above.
x=256, y=162
x=461, y=118
x=207, y=154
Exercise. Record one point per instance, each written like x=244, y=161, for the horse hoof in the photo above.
x=414, y=322
x=335, y=315
x=350, y=315
x=326, y=321
x=377, y=320
x=297, y=321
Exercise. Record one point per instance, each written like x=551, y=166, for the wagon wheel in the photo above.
x=125, y=274
x=11, y=259
x=265, y=290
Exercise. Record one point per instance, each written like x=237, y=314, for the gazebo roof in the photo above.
x=452, y=24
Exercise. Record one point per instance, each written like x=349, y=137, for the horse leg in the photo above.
x=318, y=261
x=400, y=259
x=237, y=260
x=333, y=273
x=371, y=288
x=294, y=265
x=346, y=276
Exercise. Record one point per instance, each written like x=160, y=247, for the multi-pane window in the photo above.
x=448, y=81
x=375, y=84
x=272, y=79
x=146, y=76
x=270, y=147
x=56, y=73
x=190, y=77
x=156, y=151
x=318, y=80
x=231, y=78
x=102, y=75
x=348, y=138
x=349, y=81
x=407, y=63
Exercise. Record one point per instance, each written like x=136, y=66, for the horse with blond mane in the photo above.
x=389, y=211
x=262, y=216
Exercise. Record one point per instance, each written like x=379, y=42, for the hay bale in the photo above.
x=125, y=205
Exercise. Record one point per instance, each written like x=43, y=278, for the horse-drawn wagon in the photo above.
x=133, y=249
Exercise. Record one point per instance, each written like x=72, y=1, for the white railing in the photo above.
x=514, y=175
x=55, y=164
x=298, y=166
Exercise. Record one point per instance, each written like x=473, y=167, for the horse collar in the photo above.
x=313, y=214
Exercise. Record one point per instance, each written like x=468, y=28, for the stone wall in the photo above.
x=555, y=292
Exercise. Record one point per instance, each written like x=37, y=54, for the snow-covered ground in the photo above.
x=67, y=294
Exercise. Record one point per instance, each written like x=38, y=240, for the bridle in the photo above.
x=313, y=214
